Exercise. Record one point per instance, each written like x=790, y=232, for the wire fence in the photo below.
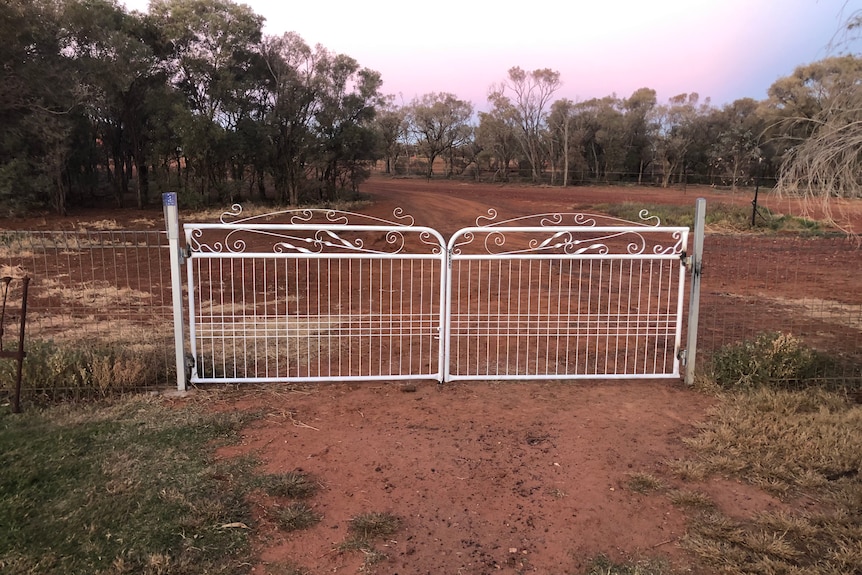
x=100, y=300
x=807, y=287
x=110, y=293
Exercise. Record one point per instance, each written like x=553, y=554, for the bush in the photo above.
x=93, y=369
x=770, y=360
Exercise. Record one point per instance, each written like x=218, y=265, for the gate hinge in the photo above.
x=682, y=356
x=685, y=259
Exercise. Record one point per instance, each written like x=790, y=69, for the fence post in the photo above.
x=172, y=223
x=694, y=294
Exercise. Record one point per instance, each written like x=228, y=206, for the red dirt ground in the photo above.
x=490, y=477
x=487, y=477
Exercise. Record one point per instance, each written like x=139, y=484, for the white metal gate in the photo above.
x=559, y=296
x=331, y=295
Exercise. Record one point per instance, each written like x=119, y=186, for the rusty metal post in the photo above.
x=19, y=353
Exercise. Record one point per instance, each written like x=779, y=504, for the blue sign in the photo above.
x=169, y=199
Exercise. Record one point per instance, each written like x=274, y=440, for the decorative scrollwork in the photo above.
x=308, y=231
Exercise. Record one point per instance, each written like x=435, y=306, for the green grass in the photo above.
x=129, y=486
x=719, y=217
x=296, y=516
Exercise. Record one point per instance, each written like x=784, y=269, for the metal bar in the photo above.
x=694, y=294
x=169, y=204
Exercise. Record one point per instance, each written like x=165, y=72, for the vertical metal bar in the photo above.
x=16, y=398
x=694, y=295
x=679, y=303
x=169, y=204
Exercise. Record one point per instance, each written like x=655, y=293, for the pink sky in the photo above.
x=723, y=49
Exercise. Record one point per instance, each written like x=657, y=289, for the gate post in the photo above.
x=694, y=297
x=172, y=223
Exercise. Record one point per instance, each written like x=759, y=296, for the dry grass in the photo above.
x=640, y=482
x=293, y=484
x=791, y=443
x=367, y=528
x=100, y=294
x=690, y=499
x=239, y=350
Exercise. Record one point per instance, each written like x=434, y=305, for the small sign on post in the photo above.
x=172, y=225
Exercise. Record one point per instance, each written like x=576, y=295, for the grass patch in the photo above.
x=601, y=565
x=365, y=529
x=690, y=499
x=793, y=443
x=644, y=483
x=128, y=486
x=719, y=217
x=293, y=484
x=296, y=516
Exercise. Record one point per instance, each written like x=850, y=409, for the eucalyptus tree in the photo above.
x=531, y=96
x=587, y=124
x=638, y=111
x=441, y=123
x=40, y=104
x=560, y=123
x=212, y=42
x=822, y=160
x=391, y=127
x=118, y=56
x=676, y=131
x=735, y=153
x=611, y=136
x=294, y=86
x=497, y=136
x=816, y=112
x=347, y=144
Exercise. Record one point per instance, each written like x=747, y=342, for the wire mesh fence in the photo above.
x=100, y=315
x=108, y=294
x=805, y=287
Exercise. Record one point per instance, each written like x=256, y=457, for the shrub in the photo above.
x=771, y=359
x=86, y=369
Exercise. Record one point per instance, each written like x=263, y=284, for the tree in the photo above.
x=560, y=122
x=497, y=135
x=40, y=105
x=676, y=123
x=441, y=124
x=822, y=126
x=292, y=66
x=347, y=144
x=638, y=110
x=390, y=123
x=532, y=92
x=735, y=152
x=212, y=41
x=117, y=56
